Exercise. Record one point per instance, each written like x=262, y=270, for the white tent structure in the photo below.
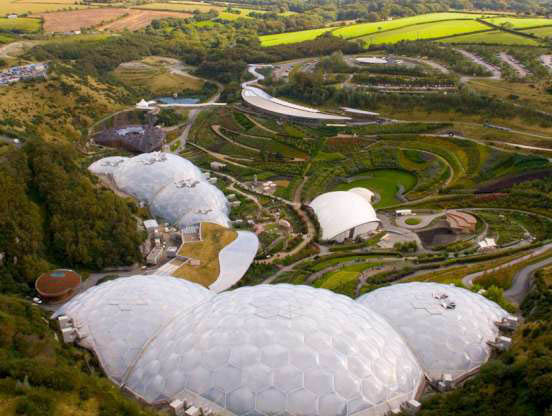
x=345, y=214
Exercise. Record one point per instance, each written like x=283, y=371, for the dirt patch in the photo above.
x=112, y=19
x=139, y=19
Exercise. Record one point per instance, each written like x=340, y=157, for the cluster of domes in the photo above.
x=173, y=187
x=282, y=349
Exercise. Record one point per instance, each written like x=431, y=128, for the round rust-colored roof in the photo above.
x=57, y=283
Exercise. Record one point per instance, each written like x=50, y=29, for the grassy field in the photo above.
x=21, y=24
x=36, y=6
x=450, y=24
x=356, y=31
x=191, y=6
x=156, y=79
x=214, y=239
x=493, y=37
x=519, y=22
x=425, y=31
x=343, y=276
x=52, y=108
x=385, y=182
x=292, y=37
x=541, y=32
x=533, y=94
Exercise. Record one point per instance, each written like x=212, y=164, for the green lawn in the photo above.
x=292, y=37
x=425, y=31
x=346, y=275
x=21, y=24
x=519, y=22
x=355, y=31
x=363, y=29
x=494, y=37
x=385, y=182
x=541, y=32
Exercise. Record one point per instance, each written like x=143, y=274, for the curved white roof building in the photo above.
x=259, y=99
x=367, y=194
x=173, y=187
x=448, y=328
x=345, y=214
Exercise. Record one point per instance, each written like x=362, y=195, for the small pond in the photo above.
x=177, y=100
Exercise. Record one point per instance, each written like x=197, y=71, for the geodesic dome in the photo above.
x=446, y=327
x=115, y=319
x=262, y=350
x=174, y=188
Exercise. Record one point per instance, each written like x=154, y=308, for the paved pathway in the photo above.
x=468, y=279
x=522, y=281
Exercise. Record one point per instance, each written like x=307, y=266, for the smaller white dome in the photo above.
x=340, y=211
x=448, y=328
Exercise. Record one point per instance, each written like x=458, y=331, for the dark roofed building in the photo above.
x=57, y=285
x=135, y=138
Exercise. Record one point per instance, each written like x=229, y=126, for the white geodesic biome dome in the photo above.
x=281, y=349
x=174, y=188
x=448, y=328
x=262, y=350
x=116, y=319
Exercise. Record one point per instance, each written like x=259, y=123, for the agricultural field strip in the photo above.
x=493, y=37
x=364, y=29
x=437, y=30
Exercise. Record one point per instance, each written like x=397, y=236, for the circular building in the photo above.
x=262, y=350
x=117, y=318
x=57, y=285
x=448, y=328
x=345, y=215
x=173, y=187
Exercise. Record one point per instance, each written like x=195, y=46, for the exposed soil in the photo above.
x=112, y=19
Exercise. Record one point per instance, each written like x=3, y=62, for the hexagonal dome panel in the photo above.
x=279, y=349
x=446, y=327
x=115, y=319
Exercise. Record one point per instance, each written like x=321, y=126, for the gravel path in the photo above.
x=476, y=59
x=508, y=59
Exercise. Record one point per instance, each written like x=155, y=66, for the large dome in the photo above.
x=174, y=188
x=143, y=176
x=115, y=319
x=446, y=327
x=262, y=350
x=340, y=211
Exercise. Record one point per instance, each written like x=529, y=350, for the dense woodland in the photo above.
x=53, y=213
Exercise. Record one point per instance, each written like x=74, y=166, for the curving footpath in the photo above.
x=520, y=282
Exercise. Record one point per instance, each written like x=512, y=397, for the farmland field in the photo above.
x=36, y=6
x=362, y=29
x=385, y=182
x=541, y=32
x=494, y=37
x=115, y=19
x=426, y=31
x=354, y=31
x=138, y=19
x=21, y=24
x=519, y=22
x=202, y=7
x=293, y=37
